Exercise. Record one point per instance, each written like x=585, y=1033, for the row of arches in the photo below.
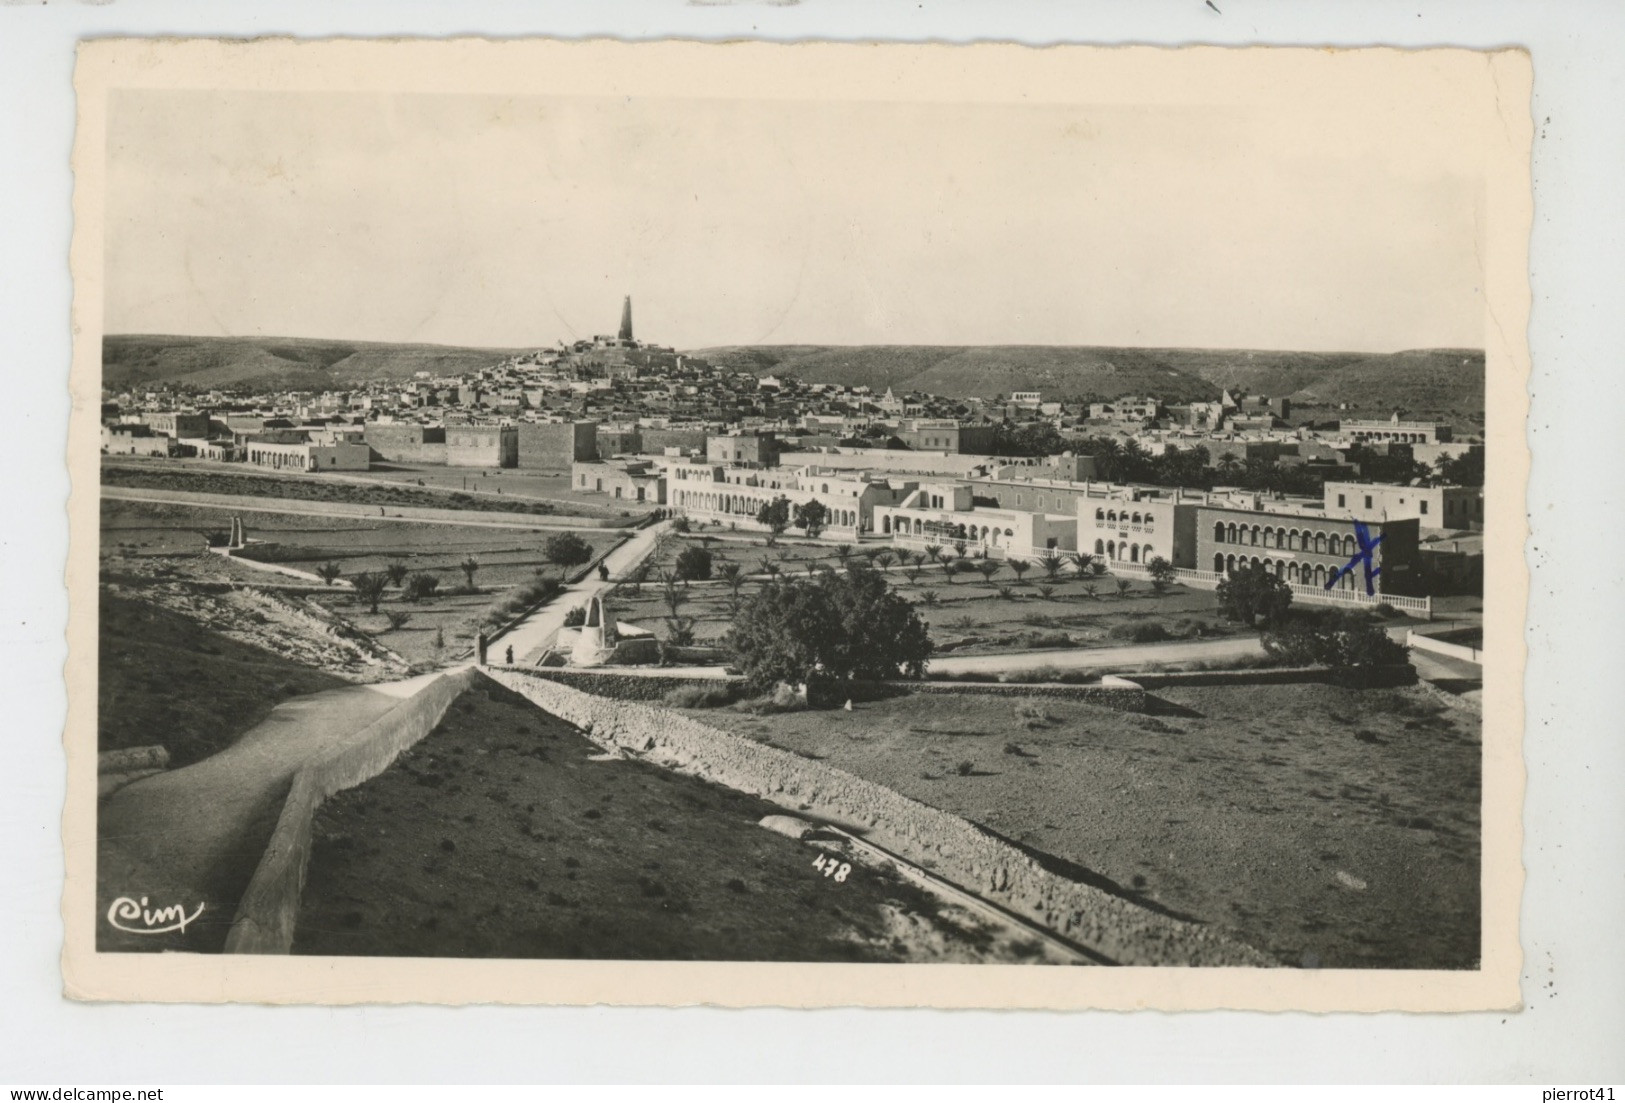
x=1113, y=517
x=747, y=506
x=1133, y=553
x=1302, y=574
x=991, y=535
x=1268, y=536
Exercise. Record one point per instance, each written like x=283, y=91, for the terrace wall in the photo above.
x=1110, y=926
x=264, y=923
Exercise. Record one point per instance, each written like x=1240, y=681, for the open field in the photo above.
x=134, y=533
x=206, y=477
x=1329, y=827
x=546, y=484
x=166, y=678
x=504, y=834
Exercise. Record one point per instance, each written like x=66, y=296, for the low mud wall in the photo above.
x=265, y=918
x=1362, y=678
x=1115, y=928
x=1120, y=693
x=622, y=687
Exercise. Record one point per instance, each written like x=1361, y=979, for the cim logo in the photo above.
x=125, y=911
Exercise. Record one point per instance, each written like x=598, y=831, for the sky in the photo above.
x=519, y=222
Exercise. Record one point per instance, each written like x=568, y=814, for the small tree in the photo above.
x=842, y=626
x=329, y=573
x=468, y=567
x=1340, y=639
x=950, y=567
x=933, y=552
x=369, y=588
x=883, y=559
x=988, y=568
x=397, y=618
x=767, y=567
x=671, y=593
x=929, y=597
x=811, y=517
x=693, y=565
x=566, y=550
x=1123, y=587
x=1020, y=566
x=1091, y=590
x=679, y=524
x=734, y=576
x=1097, y=566
x=396, y=572
x=1162, y=573
x=1051, y=562
x=1251, y=593
x=576, y=617
x=776, y=516
x=421, y=586
x=911, y=573
x=959, y=548
x=680, y=631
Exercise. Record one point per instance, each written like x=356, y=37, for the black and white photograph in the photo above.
x=621, y=505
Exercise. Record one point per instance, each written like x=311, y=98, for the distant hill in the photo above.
x=294, y=363
x=1428, y=381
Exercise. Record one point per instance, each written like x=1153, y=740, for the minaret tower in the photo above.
x=626, y=320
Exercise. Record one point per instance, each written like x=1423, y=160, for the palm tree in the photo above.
x=1020, y=566
x=989, y=568
x=329, y=573
x=469, y=566
x=733, y=576
x=883, y=559
x=1052, y=563
x=933, y=552
x=369, y=588
x=396, y=572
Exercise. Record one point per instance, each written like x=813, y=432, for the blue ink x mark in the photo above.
x=1367, y=547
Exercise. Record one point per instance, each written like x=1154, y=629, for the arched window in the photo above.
x=1218, y=563
x=1320, y=543
x=885, y=524
x=1350, y=547
x=1136, y=517
x=1111, y=549
x=1218, y=532
x=1257, y=534
x=1229, y=564
x=1134, y=553
x=1292, y=572
x=1100, y=515
x=1100, y=547
x=1231, y=534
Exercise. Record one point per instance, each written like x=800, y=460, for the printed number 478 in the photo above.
x=831, y=868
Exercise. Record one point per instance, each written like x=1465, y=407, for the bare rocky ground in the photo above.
x=507, y=834
x=1328, y=827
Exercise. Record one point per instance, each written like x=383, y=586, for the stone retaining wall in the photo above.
x=1111, y=926
x=622, y=687
x=264, y=923
x=1120, y=693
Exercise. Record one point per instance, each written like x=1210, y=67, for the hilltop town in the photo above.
x=642, y=425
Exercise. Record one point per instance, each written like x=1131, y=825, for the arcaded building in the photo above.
x=1307, y=547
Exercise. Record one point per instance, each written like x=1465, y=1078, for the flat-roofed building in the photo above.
x=555, y=444
x=1133, y=525
x=308, y=457
x=627, y=480
x=481, y=446
x=1396, y=431
x=735, y=495
x=136, y=440
x=406, y=442
x=1436, y=507
x=758, y=449
x=176, y=424
x=946, y=514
